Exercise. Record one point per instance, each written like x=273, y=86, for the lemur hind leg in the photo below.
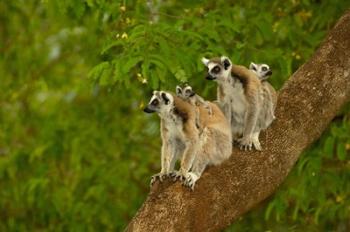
x=188, y=157
x=196, y=172
x=205, y=150
x=256, y=142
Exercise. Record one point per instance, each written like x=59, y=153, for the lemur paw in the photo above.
x=190, y=180
x=235, y=141
x=245, y=143
x=177, y=176
x=171, y=174
x=257, y=145
x=160, y=176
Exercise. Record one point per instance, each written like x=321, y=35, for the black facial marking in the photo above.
x=264, y=68
x=148, y=110
x=226, y=64
x=254, y=68
x=210, y=77
x=216, y=69
x=179, y=90
x=165, y=98
x=155, y=102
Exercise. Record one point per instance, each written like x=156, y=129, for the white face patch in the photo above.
x=152, y=98
x=259, y=72
x=262, y=70
x=188, y=88
x=187, y=92
x=161, y=102
x=211, y=65
x=224, y=58
x=168, y=95
x=165, y=108
x=259, y=69
x=222, y=75
x=265, y=66
x=219, y=70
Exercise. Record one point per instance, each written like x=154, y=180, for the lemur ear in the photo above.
x=226, y=62
x=178, y=90
x=165, y=98
x=205, y=61
x=253, y=66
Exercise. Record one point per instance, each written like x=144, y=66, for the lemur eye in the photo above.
x=264, y=68
x=155, y=102
x=216, y=69
x=188, y=91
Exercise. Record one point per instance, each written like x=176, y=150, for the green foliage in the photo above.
x=76, y=152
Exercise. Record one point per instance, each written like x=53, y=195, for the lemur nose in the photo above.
x=147, y=110
x=209, y=77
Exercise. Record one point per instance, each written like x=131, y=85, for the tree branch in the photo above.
x=307, y=103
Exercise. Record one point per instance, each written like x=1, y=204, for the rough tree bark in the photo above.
x=307, y=103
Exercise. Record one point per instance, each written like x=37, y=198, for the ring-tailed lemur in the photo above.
x=244, y=100
x=186, y=93
x=181, y=138
x=263, y=71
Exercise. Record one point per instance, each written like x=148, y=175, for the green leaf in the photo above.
x=137, y=32
x=97, y=71
x=269, y=210
x=341, y=151
x=154, y=81
x=117, y=42
x=130, y=63
x=301, y=164
x=180, y=75
x=106, y=76
x=317, y=215
x=295, y=212
x=329, y=147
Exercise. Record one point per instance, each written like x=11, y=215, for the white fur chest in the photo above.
x=233, y=94
x=238, y=100
x=227, y=89
x=174, y=126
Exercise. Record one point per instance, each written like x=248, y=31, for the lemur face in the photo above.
x=185, y=92
x=218, y=68
x=161, y=102
x=262, y=70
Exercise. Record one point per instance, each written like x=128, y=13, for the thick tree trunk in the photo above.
x=307, y=103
